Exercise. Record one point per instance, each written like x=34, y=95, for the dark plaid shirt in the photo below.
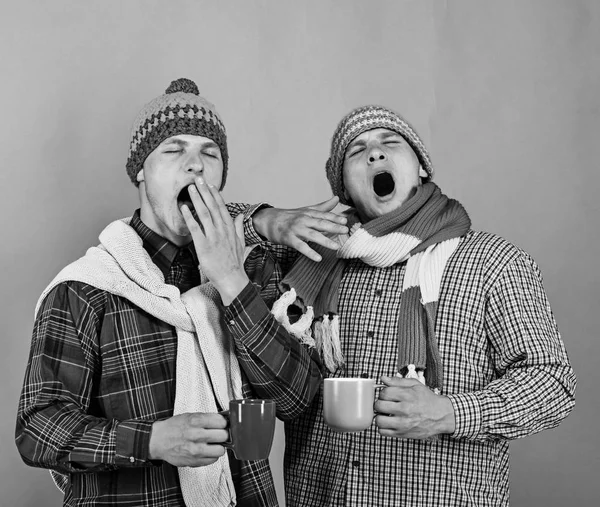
x=505, y=369
x=101, y=371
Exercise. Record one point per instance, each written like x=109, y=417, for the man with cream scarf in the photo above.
x=132, y=355
x=454, y=322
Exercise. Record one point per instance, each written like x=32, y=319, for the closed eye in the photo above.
x=356, y=151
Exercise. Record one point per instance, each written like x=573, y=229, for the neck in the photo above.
x=160, y=228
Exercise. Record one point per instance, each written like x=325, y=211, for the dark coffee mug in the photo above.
x=251, y=428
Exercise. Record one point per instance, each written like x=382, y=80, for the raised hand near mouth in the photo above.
x=298, y=227
x=218, y=239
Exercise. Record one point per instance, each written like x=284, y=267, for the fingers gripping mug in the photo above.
x=251, y=428
x=348, y=403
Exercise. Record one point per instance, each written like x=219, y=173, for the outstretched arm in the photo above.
x=292, y=228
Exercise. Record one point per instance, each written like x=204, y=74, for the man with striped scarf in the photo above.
x=454, y=322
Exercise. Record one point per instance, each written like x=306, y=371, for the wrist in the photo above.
x=154, y=446
x=230, y=288
x=447, y=423
x=259, y=221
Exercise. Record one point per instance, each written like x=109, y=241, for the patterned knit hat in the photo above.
x=181, y=110
x=355, y=123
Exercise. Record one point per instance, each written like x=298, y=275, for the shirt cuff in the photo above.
x=252, y=237
x=245, y=311
x=467, y=415
x=133, y=443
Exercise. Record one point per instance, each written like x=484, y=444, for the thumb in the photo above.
x=327, y=205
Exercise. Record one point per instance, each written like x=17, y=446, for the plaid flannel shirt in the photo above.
x=505, y=369
x=101, y=371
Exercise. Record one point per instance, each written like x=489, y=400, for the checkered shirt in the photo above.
x=505, y=370
x=101, y=371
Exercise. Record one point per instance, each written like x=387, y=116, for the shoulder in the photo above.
x=490, y=256
x=78, y=299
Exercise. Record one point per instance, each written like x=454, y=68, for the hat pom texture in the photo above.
x=183, y=85
x=181, y=110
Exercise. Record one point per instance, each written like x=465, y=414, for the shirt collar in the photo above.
x=162, y=251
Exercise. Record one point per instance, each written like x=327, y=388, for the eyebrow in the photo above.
x=388, y=134
x=382, y=136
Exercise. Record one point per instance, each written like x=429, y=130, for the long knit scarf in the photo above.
x=206, y=366
x=424, y=232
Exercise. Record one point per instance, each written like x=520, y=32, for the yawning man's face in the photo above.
x=164, y=181
x=380, y=172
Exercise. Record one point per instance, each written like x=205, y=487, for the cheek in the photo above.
x=355, y=183
x=213, y=173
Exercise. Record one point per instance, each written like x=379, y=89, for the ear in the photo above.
x=422, y=172
x=140, y=176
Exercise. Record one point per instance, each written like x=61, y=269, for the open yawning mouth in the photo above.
x=184, y=198
x=383, y=184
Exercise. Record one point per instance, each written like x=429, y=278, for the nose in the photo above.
x=376, y=154
x=194, y=164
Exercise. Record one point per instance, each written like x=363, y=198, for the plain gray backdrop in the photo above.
x=505, y=95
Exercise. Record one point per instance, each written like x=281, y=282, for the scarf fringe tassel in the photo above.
x=300, y=329
x=327, y=334
x=418, y=375
x=326, y=330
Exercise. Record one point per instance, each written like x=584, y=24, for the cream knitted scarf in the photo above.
x=207, y=370
x=424, y=231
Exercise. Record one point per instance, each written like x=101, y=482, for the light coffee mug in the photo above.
x=251, y=428
x=348, y=403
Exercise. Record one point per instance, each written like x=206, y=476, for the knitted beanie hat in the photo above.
x=355, y=123
x=181, y=110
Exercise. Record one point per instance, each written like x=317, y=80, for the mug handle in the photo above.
x=228, y=444
x=378, y=386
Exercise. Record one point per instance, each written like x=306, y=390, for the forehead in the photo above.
x=188, y=139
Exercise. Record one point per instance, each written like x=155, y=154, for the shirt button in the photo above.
x=231, y=322
x=131, y=459
x=378, y=292
x=370, y=334
x=364, y=375
x=356, y=463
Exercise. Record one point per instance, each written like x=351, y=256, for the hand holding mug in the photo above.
x=192, y=440
x=408, y=409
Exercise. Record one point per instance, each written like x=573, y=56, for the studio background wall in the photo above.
x=505, y=95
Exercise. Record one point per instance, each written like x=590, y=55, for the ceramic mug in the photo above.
x=348, y=403
x=251, y=428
